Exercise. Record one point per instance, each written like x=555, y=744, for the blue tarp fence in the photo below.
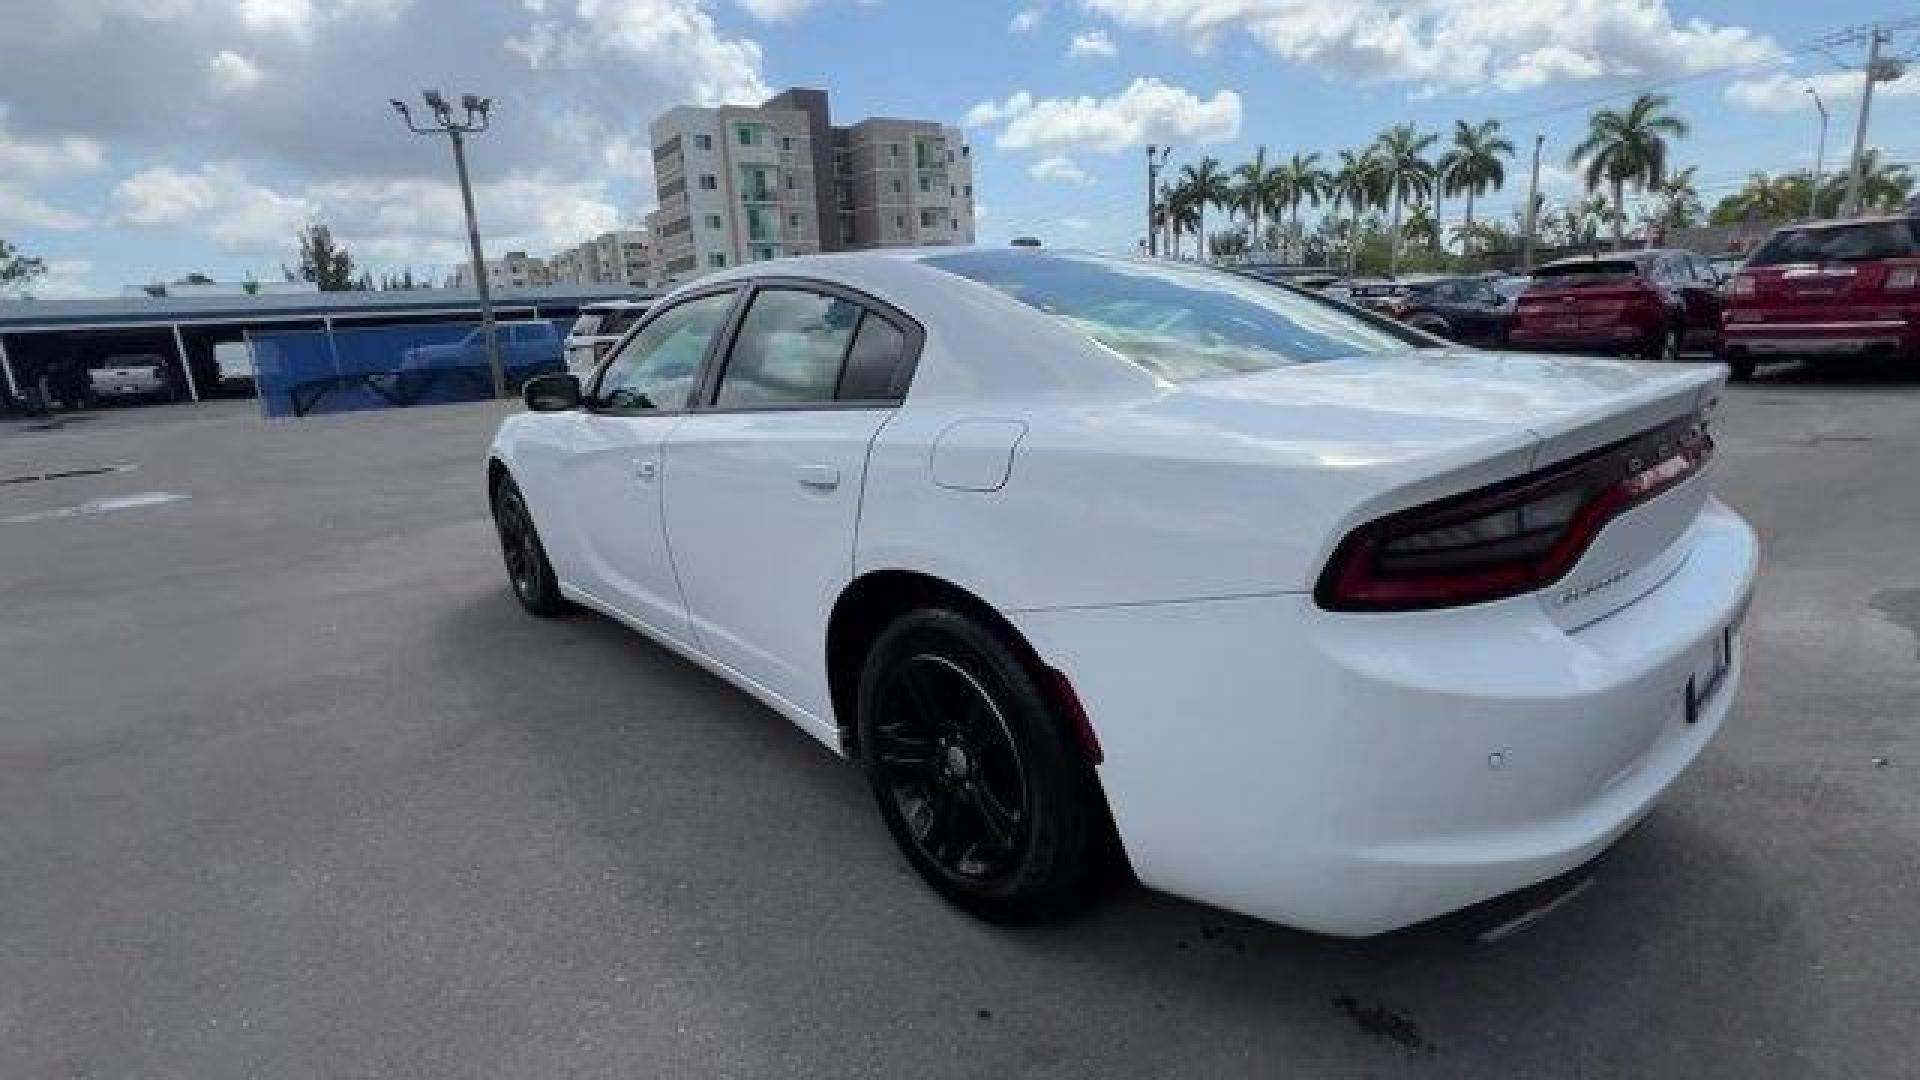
x=306, y=372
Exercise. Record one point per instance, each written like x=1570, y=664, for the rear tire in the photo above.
x=528, y=571
x=991, y=801
x=1742, y=368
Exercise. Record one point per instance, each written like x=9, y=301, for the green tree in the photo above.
x=1249, y=188
x=323, y=261
x=17, y=271
x=1205, y=185
x=1628, y=147
x=1407, y=174
x=1359, y=184
x=1676, y=202
x=1883, y=187
x=1474, y=165
x=1300, y=180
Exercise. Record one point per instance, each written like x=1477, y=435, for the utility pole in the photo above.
x=1154, y=165
x=457, y=131
x=1533, y=208
x=1819, y=156
x=1877, y=71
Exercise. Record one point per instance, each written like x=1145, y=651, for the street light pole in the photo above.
x=1154, y=165
x=1533, y=208
x=1876, y=72
x=475, y=122
x=1819, y=156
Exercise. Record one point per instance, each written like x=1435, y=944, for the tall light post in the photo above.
x=1154, y=165
x=1533, y=208
x=1879, y=69
x=1819, y=155
x=475, y=121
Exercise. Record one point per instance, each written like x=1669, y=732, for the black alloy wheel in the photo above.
x=974, y=773
x=528, y=570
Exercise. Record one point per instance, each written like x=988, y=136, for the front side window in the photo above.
x=660, y=364
x=1180, y=323
x=789, y=350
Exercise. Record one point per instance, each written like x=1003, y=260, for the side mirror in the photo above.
x=552, y=393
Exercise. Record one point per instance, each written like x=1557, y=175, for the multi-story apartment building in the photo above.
x=612, y=258
x=515, y=269
x=745, y=184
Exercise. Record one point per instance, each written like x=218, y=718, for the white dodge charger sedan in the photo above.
x=1303, y=615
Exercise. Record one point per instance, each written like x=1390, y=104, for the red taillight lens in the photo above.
x=1514, y=537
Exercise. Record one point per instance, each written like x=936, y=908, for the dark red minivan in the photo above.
x=1827, y=291
x=1652, y=303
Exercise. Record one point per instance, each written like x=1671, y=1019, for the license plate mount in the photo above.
x=1708, y=678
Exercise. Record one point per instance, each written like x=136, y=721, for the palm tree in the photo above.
x=1358, y=184
x=1677, y=202
x=1249, y=188
x=1764, y=198
x=1628, y=147
x=1473, y=166
x=1401, y=151
x=1422, y=226
x=1205, y=186
x=1299, y=180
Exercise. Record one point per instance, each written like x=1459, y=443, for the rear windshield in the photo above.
x=1576, y=275
x=1178, y=322
x=1863, y=242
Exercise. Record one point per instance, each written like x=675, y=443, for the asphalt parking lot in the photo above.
x=289, y=786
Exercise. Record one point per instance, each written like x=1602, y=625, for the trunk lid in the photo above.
x=1401, y=430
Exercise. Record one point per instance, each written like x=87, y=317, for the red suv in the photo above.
x=1828, y=289
x=1651, y=303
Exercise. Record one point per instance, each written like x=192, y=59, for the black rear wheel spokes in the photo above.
x=517, y=543
x=952, y=768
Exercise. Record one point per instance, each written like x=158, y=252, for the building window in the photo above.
x=786, y=142
x=964, y=150
x=969, y=191
x=709, y=182
x=704, y=142
x=716, y=259
x=745, y=135
x=949, y=157
x=896, y=186
x=790, y=182
x=926, y=185
x=893, y=150
x=713, y=221
x=952, y=192
x=793, y=221
x=900, y=222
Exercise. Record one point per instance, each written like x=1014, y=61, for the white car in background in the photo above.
x=136, y=376
x=1077, y=554
x=597, y=329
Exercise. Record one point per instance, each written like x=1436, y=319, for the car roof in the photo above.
x=616, y=305
x=1842, y=223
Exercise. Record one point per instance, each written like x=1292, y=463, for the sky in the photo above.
x=143, y=140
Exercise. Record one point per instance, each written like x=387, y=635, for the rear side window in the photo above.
x=789, y=350
x=1595, y=272
x=1862, y=242
x=877, y=364
x=1180, y=323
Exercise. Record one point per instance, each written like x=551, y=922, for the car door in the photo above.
x=763, y=480
x=1703, y=303
x=612, y=472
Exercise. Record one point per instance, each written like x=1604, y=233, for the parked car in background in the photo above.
x=1652, y=304
x=1306, y=277
x=233, y=365
x=1463, y=309
x=1370, y=632
x=1833, y=291
x=132, y=377
x=597, y=329
x=528, y=347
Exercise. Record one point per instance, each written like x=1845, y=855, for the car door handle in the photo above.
x=824, y=477
x=646, y=469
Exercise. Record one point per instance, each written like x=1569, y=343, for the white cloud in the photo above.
x=774, y=10
x=25, y=163
x=242, y=217
x=1076, y=223
x=1091, y=43
x=988, y=113
x=1148, y=110
x=678, y=37
x=1024, y=20
x=65, y=278
x=1786, y=92
x=1059, y=169
x=1459, y=44
x=291, y=16
x=232, y=73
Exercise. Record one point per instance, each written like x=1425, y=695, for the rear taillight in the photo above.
x=1902, y=278
x=1742, y=285
x=1510, y=538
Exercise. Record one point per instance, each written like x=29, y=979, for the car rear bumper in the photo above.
x=1354, y=774
x=1852, y=338
x=1612, y=342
